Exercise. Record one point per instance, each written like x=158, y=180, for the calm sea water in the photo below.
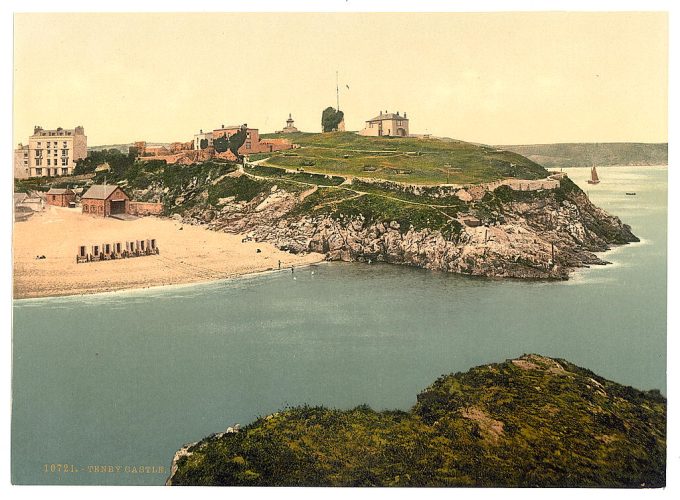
x=125, y=379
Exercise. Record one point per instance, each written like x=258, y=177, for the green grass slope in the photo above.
x=533, y=421
x=410, y=159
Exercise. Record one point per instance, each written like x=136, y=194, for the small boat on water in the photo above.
x=594, y=179
x=630, y=194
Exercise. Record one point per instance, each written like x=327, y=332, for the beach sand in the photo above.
x=188, y=255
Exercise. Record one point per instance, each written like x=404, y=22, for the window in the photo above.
x=55, y=152
x=48, y=162
x=64, y=162
x=39, y=143
x=64, y=152
x=38, y=153
x=38, y=162
x=85, y=208
x=38, y=171
x=248, y=145
x=64, y=171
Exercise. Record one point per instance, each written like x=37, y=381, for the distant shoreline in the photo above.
x=616, y=166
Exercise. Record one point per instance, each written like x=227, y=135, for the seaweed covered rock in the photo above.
x=531, y=421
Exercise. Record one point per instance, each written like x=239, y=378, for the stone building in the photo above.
x=387, y=124
x=252, y=144
x=21, y=167
x=104, y=200
x=60, y=197
x=55, y=152
x=290, y=126
x=270, y=145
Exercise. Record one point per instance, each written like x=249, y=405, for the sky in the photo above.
x=495, y=78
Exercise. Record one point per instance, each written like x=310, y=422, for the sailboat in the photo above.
x=594, y=179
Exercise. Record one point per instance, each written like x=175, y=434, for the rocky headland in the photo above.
x=500, y=232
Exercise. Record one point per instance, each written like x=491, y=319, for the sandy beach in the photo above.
x=188, y=254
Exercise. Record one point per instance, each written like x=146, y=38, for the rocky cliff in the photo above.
x=527, y=422
x=542, y=234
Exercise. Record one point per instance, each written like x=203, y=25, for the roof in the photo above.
x=100, y=191
x=232, y=127
x=54, y=132
x=387, y=116
x=59, y=191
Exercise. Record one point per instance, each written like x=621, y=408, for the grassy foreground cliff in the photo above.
x=531, y=421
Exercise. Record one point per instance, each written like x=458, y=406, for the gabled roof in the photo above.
x=100, y=191
x=387, y=116
x=59, y=191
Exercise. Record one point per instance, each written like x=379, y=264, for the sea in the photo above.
x=107, y=387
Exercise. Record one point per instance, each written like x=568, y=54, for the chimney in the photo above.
x=200, y=131
x=404, y=114
x=397, y=113
x=223, y=125
x=381, y=112
x=37, y=129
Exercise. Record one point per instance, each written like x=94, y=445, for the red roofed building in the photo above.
x=60, y=197
x=103, y=200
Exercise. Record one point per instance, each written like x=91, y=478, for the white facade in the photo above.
x=200, y=136
x=387, y=124
x=55, y=152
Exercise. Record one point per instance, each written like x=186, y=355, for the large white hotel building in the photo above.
x=50, y=152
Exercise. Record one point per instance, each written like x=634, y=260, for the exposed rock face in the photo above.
x=543, y=238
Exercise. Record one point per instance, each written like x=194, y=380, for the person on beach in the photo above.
x=279, y=265
x=292, y=269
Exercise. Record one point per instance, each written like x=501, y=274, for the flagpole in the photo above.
x=337, y=92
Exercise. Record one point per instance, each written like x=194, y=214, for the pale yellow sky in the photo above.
x=496, y=78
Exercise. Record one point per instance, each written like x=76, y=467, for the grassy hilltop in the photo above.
x=219, y=193
x=532, y=421
x=324, y=161
x=409, y=160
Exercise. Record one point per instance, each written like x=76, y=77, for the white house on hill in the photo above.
x=387, y=124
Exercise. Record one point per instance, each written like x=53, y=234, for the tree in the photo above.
x=330, y=119
x=233, y=143
x=221, y=144
x=204, y=143
x=237, y=140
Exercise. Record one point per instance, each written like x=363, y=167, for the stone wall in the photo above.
x=145, y=208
